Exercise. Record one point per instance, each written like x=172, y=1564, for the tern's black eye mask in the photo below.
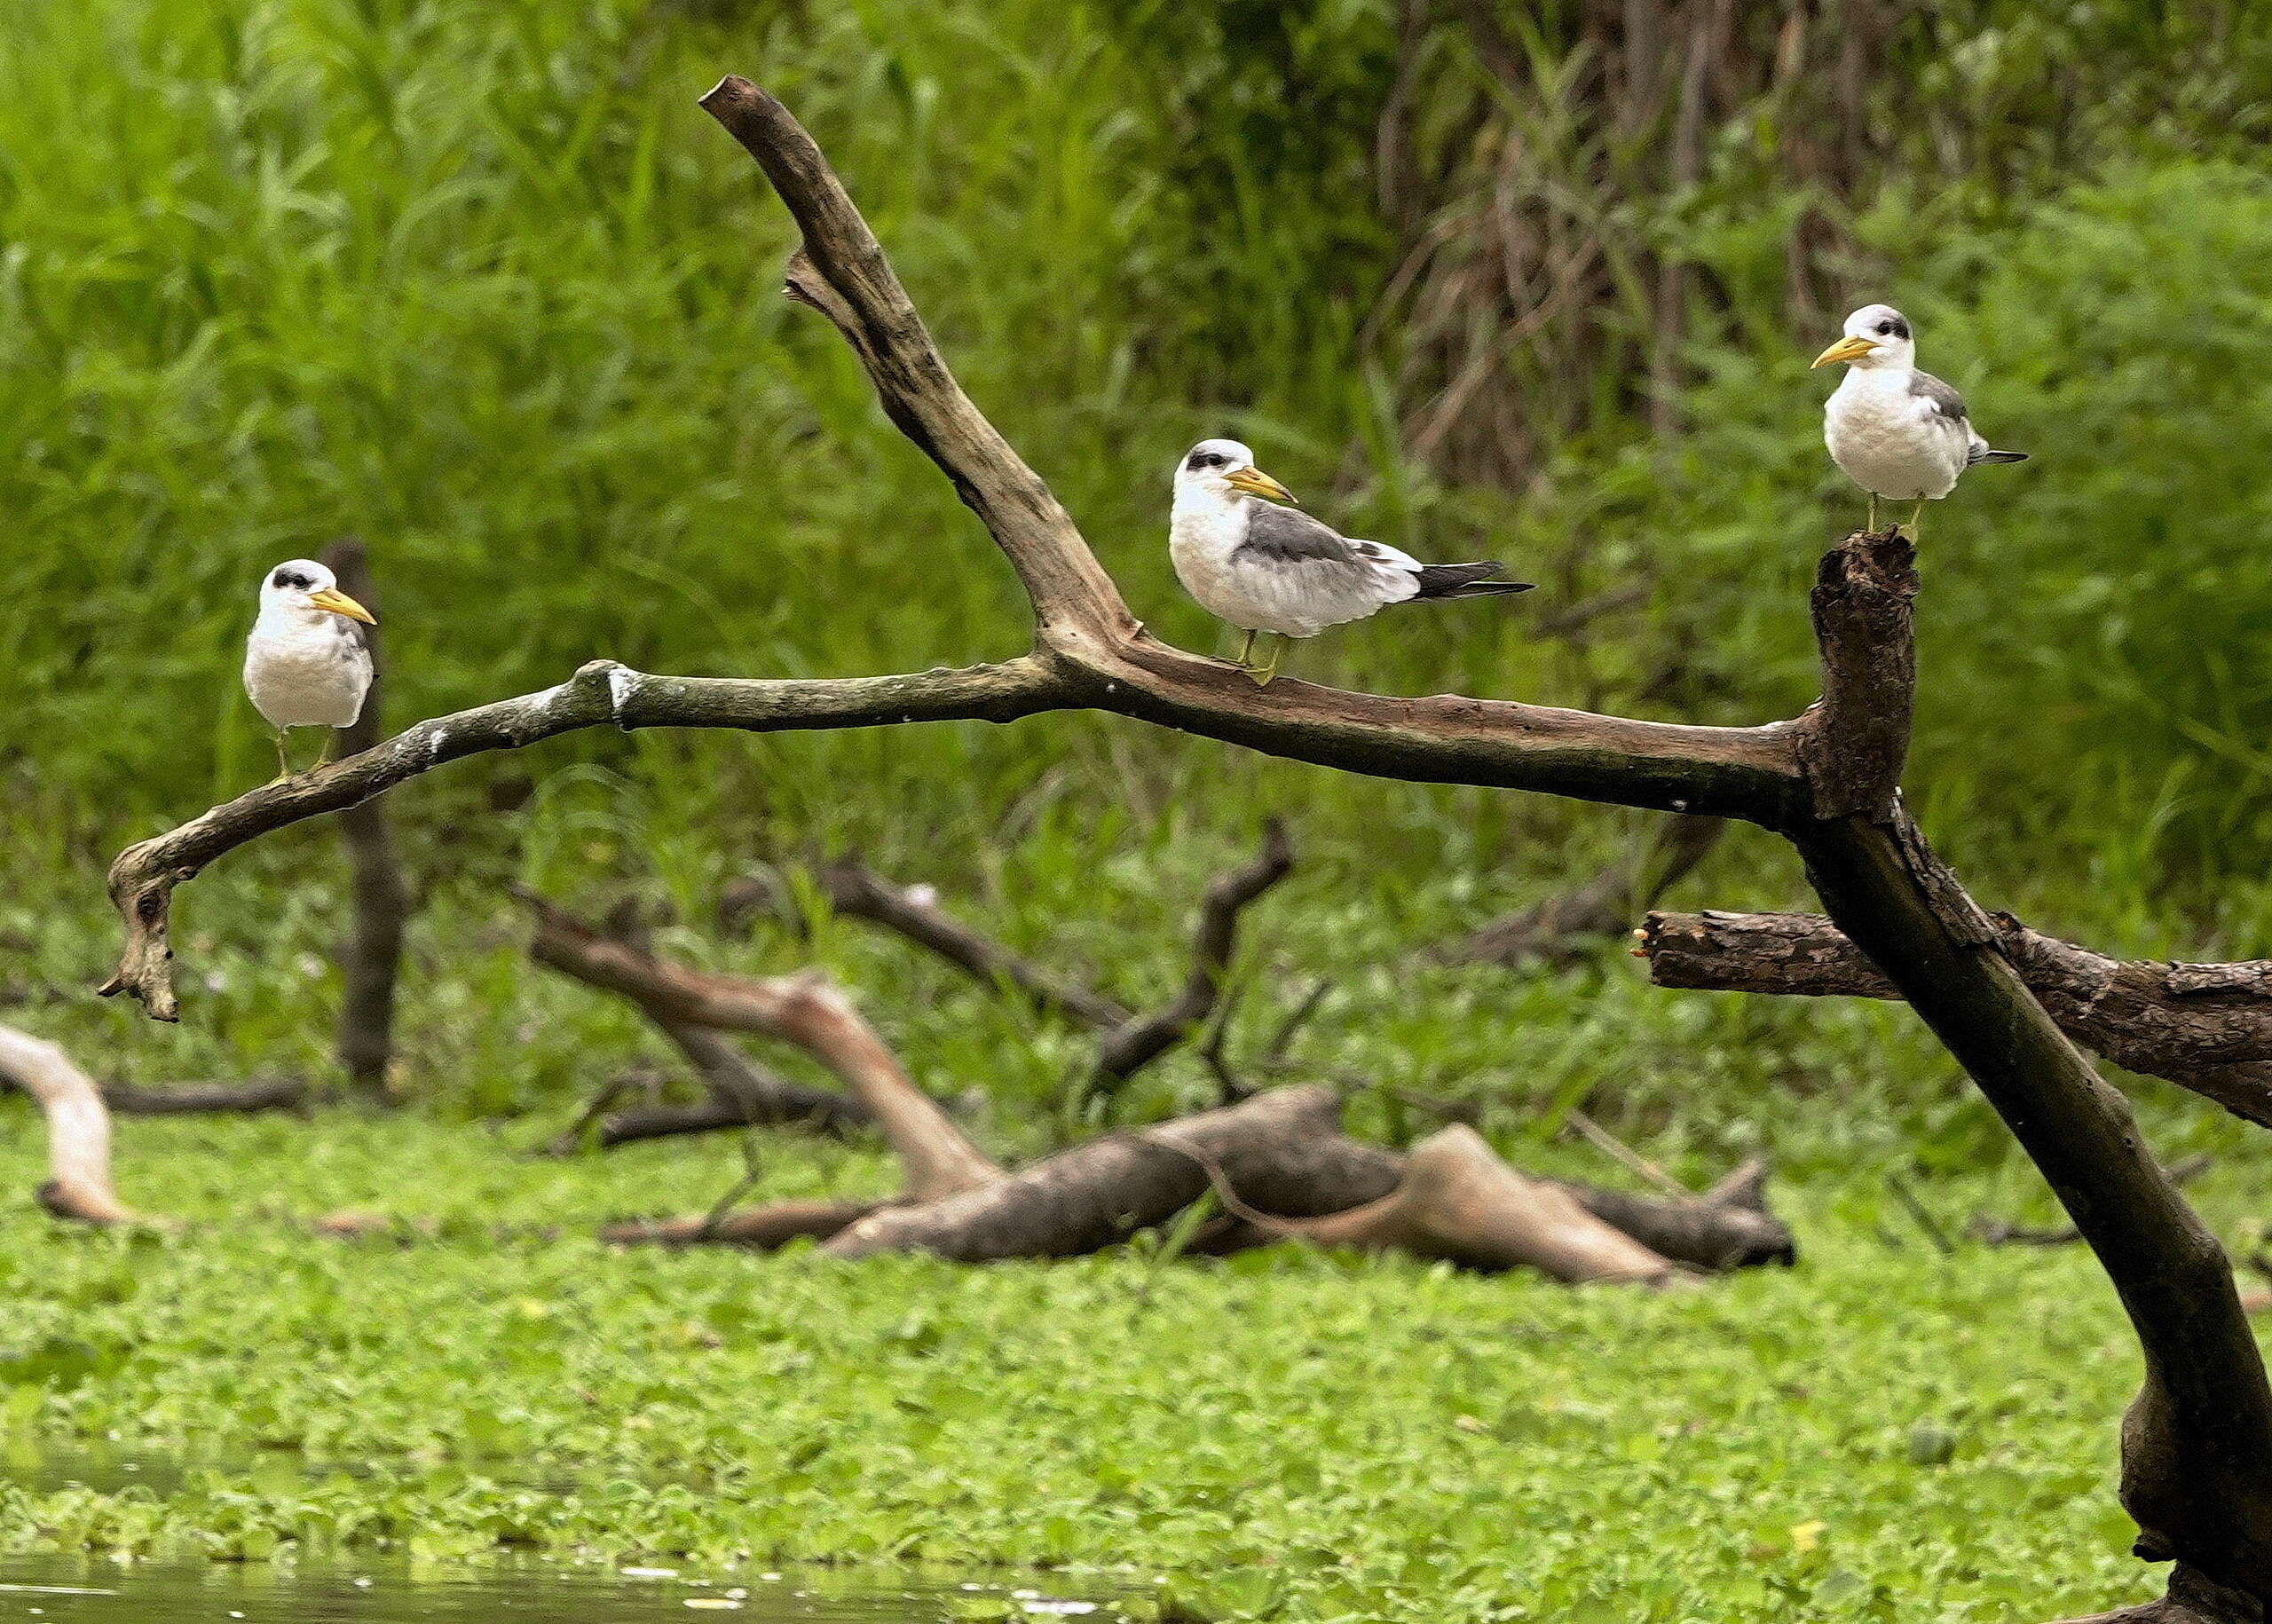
x=1206, y=458
x=1895, y=328
x=290, y=578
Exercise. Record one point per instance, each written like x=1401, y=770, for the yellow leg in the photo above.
x=1246, y=651
x=1917, y=520
x=1262, y=675
x=323, y=755
x=1874, y=512
x=283, y=759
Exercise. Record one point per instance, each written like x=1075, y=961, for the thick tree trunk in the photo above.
x=1277, y=1150
x=2196, y=1443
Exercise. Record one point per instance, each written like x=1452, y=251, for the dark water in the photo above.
x=158, y=1593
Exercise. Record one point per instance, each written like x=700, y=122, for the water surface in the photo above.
x=95, y=1592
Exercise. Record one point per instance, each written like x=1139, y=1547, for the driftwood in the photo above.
x=2207, y=1027
x=78, y=1128
x=371, y=957
x=1562, y=928
x=2198, y=1443
x=806, y=1011
x=741, y=1092
x=1457, y=1200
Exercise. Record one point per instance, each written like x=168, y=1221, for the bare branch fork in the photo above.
x=2198, y=1445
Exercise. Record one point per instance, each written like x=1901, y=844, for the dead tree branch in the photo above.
x=1457, y=1200
x=371, y=958
x=2207, y=1028
x=806, y=1011
x=78, y=1128
x=1136, y=1043
x=2198, y=1445
x=741, y=1092
x=858, y=892
x=1561, y=927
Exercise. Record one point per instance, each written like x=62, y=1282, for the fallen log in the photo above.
x=766, y=1228
x=2203, y=1026
x=1100, y=1193
x=202, y=1099
x=1728, y=1227
x=1458, y=1201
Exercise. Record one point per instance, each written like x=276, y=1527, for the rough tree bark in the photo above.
x=371, y=958
x=78, y=1128
x=2198, y=1445
x=2204, y=1027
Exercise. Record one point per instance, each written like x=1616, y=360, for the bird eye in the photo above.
x=1885, y=327
x=290, y=578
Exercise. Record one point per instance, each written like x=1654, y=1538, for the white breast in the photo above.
x=1891, y=442
x=306, y=675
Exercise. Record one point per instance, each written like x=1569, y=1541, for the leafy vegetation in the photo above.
x=1881, y=1434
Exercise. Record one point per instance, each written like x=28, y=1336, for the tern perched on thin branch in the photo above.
x=1898, y=433
x=307, y=663
x=1265, y=568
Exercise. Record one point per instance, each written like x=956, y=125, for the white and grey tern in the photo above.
x=308, y=661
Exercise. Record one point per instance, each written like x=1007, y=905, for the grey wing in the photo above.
x=354, y=639
x=1947, y=406
x=1944, y=401
x=1281, y=535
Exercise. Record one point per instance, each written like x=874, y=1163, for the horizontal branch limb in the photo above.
x=2206, y=1028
